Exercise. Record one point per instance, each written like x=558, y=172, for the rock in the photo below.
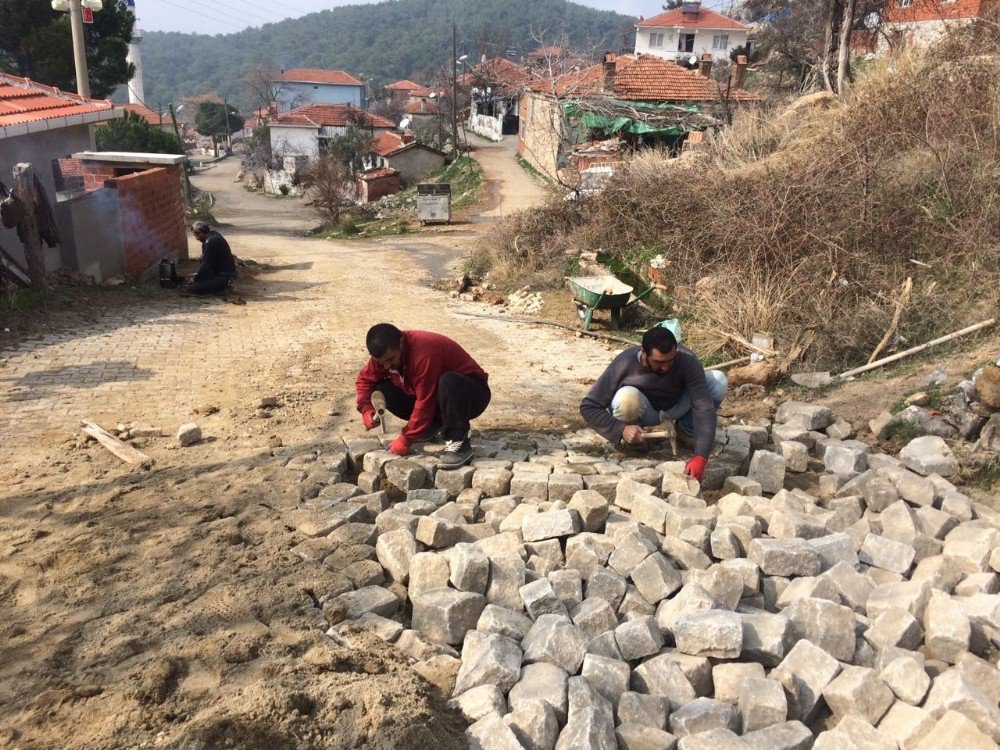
x=530, y=484
x=556, y=640
x=594, y=616
x=470, y=569
x=796, y=455
x=476, y=703
x=591, y=720
x=784, y=557
x=956, y=731
x=905, y=675
x=644, y=710
x=805, y=672
x=812, y=379
x=592, y=507
x=437, y=533
x=552, y=524
x=564, y=486
x=709, y=633
x=632, y=736
x=541, y=683
x=494, y=482
x=507, y=576
x=488, y=659
x=858, y=691
x=768, y=470
x=766, y=637
x=742, y=486
x=714, y=739
x=655, y=578
x=607, y=585
x=445, y=615
x=492, y=733
x=394, y=550
x=638, y=638
x=374, y=599
x=808, y=416
x=988, y=387
x=728, y=679
x=535, y=725
x=188, y=434
x=894, y=628
x=947, y=631
x=661, y=676
x=791, y=735
x=953, y=690
x=405, y=475
x=609, y=677
x=540, y=599
x=428, y=570
x=505, y=622
x=854, y=732
x=762, y=703
x=631, y=549
x=906, y=724
x=703, y=715
x=887, y=554
x=929, y=455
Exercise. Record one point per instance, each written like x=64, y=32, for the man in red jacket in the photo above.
x=428, y=380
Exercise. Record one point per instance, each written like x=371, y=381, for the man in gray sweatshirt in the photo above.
x=646, y=385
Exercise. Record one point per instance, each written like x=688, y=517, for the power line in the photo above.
x=247, y=13
x=214, y=17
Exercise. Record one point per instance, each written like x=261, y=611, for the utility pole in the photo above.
x=454, y=88
x=79, y=49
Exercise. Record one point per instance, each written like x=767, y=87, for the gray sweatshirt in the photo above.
x=663, y=391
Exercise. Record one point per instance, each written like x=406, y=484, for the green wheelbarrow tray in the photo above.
x=602, y=293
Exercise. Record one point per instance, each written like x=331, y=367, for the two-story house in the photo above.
x=908, y=23
x=301, y=86
x=688, y=32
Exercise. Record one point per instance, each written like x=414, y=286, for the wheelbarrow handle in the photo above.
x=641, y=295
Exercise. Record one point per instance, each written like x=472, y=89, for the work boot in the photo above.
x=456, y=453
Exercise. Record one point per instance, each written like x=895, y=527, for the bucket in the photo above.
x=168, y=274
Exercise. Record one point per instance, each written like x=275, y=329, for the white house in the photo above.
x=303, y=131
x=690, y=31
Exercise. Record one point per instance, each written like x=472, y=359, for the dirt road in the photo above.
x=173, y=607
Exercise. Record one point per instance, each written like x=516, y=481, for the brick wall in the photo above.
x=151, y=207
x=931, y=10
x=69, y=174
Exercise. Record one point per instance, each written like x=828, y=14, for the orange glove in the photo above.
x=400, y=446
x=696, y=467
x=369, y=418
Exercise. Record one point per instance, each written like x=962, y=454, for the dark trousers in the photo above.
x=211, y=284
x=460, y=399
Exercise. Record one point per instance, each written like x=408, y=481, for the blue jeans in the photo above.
x=631, y=406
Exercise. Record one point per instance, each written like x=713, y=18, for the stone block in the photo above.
x=645, y=710
x=858, y=691
x=530, y=484
x=607, y=585
x=761, y=703
x=505, y=622
x=715, y=633
x=805, y=672
x=494, y=482
x=895, y=627
x=638, y=638
x=825, y=624
x=636, y=545
x=592, y=507
x=728, y=678
x=655, y=578
x=491, y=732
x=687, y=556
x=438, y=533
x=428, y=570
x=679, y=483
x=905, y=675
x=703, y=715
x=594, y=616
x=540, y=599
x=564, y=486
x=374, y=599
x=784, y=557
x=854, y=732
x=909, y=595
x=955, y=730
x=791, y=735
x=476, y=703
x=543, y=683
x=641, y=737
x=551, y=524
x=840, y=459
x=661, y=676
x=887, y=554
x=947, y=630
x=488, y=659
x=952, y=690
x=768, y=470
x=609, y=677
x=568, y=586
x=907, y=725
x=928, y=455
x=556, y=640
x=535, y=725
x=507, y=576
x=404, y=474
x=453, y=481
x=808, y=416
x=651, y=511
x=742, y=486
x=590, y=721
x=796, y=455
x=394, y=550
x=469, y=568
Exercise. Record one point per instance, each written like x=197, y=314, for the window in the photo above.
x=656, y=40
x=685, y=43
x=720, y=41
x=905, y=3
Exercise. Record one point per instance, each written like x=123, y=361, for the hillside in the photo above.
x=382, y=42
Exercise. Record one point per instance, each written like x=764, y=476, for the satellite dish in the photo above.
x=693, y=60
x=433, y=94
x=404, y=123
x=871, y=21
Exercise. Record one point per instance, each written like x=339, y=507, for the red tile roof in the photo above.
x=546, y=52
x=643, y=78
x=505, y=77
x=422, y=107
x=147, y=114
x=703, y=19
x=386, y=143
x=653, y=79
x=375, y=174
x=405, y=85
x=23, y=102
x=332, y=115
x=315, y=75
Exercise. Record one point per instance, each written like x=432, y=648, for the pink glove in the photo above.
x=696, y=467
x=368, y=418
x=400, y=446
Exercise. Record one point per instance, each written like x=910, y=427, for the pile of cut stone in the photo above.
x=830, y=598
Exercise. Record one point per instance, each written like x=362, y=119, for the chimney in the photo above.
x=691, y=6
x=408, y=136
x=609, y=72
x=705, y=66
x=739, y=71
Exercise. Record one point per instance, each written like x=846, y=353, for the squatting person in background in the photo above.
x=647, y=385
x=428, y=380
x=218, y=266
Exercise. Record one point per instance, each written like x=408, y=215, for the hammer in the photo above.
x=378, y=401
x=667, y=430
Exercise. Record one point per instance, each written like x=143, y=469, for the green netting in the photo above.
x=622, y=124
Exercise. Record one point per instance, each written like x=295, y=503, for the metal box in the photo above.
x=434, y=202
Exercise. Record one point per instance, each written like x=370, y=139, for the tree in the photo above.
x=133, y=133
x=36, y=42
x=215, y=118
x=672, y=4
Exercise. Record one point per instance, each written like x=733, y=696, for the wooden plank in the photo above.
x=125, y=452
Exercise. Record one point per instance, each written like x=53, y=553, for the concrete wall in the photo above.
x=294, y=95
x=300, y=141
x=540, y=133
x=488, y=127
x=414, y=164
x=41, y=150
x=904, y=35
x=96, y=236
x=703, y=42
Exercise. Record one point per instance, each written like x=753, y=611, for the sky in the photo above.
x=228, y=16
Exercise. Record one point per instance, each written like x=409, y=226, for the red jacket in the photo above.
x=426, y=357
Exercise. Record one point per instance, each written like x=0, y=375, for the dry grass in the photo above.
x=812, y=216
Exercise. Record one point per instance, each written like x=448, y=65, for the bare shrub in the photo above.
x=330, y=188
x=813, y=216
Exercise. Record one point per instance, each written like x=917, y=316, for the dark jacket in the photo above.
x=216, y=257
x=663, y=391
x=426, y=357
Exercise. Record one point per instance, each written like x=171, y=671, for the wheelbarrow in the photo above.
x=602, y=293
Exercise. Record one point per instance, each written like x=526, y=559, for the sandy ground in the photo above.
x=171, y=608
